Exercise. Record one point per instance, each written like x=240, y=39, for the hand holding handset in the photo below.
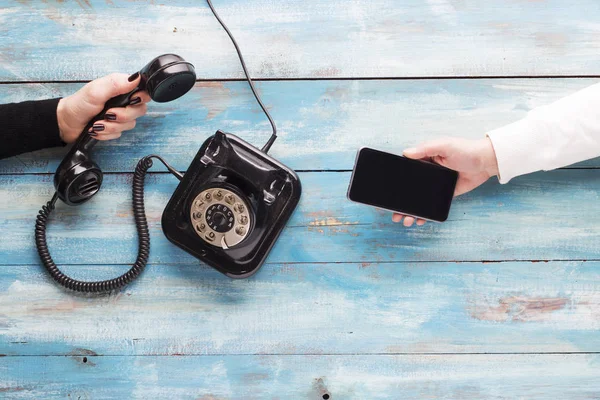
x=411, y=187
x=78, y=178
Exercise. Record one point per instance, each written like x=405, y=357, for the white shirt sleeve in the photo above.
x=553, y=136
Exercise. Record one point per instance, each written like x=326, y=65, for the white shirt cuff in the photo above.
x=513, y=145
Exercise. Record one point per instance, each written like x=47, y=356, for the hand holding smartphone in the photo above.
x=411, y=187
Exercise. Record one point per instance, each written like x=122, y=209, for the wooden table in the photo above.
x=501, y=301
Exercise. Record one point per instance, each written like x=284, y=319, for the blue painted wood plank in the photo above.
x=291, y=39
x=321, y=123
x=301, y=377
x=552, y=215
x=352, y=308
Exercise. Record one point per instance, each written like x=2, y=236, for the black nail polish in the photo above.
x=98, y=127
x=92, y=133
x=133, y=77
x=135, y=100
x=110, y=117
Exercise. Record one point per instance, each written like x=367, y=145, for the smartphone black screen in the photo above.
x=396, y=183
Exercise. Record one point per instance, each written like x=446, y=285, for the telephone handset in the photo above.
x=228, y=210
x=78, y=178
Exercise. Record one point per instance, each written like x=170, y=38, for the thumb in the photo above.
x=100, y=90
x=431, y=149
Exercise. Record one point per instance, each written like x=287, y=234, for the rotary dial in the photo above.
x=220, y=217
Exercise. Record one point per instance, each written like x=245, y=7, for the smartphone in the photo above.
x=412, y=187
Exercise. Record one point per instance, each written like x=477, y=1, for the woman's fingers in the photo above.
x=106, y=130
x=420, y=222
x=143, y=95
x=126, y=114
x=397, y=217
x=120, y=119
x=408, y=221
x=108, y=136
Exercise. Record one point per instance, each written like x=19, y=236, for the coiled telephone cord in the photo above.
x=141, y=223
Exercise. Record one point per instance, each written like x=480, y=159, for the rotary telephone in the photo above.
x=228, y=209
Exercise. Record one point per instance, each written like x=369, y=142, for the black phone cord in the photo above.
x=141, y=223
x=273, y=137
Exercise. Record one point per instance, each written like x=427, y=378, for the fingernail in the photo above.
x=133, y=77
x=110, y=117
x=135, y=101
x=97, y=128
x=92, y=133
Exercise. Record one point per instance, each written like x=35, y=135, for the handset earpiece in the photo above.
x=78, y=178
x=168, y=77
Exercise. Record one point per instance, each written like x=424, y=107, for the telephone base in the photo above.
x=231, y=205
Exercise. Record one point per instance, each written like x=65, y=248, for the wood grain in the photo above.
x=83, y=40
x=544, y=216
x=322, y=123
x=303, y=377
x=317, y=308
x=499, y=302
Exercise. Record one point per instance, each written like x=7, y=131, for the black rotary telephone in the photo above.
x=228, y=210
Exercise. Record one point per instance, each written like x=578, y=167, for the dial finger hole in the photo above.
x=239, y=208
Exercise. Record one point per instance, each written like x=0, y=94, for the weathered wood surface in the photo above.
x=303, y=377
x=317, y=308
x=321, y=123
x=349, y=305
x=81, y=40
x=538, y=217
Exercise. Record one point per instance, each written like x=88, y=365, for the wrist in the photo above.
x=60, y=118
x=67, y=132
x=488, y=160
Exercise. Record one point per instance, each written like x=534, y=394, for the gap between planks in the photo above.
x=301, y=263
x=360, y=78
x=168, y=173
x=297, y=170
x=87, y=354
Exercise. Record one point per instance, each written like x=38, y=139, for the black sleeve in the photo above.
x=28, y=126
